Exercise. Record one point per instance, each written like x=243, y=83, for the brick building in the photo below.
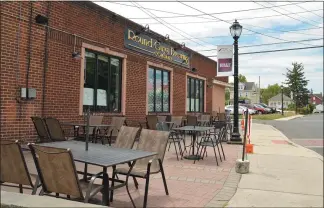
x=123, y=69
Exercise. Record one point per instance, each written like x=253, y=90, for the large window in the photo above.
x=102, y=82
x=195, y=95
x=158, y=90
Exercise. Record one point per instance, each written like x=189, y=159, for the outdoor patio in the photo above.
x=189, y=184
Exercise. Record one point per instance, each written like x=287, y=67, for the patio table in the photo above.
x=103, y=156
x=84, y=125
x=194, y=130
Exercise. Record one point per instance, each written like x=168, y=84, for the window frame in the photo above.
x=94, y=107
x=197, y=83
x=154, y=89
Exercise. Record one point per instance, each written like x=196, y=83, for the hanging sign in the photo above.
x=224, y=60
x=145, y=44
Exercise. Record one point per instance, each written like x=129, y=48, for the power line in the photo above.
x=166, y=23
x=247, y=46
x=287, y=49
x=274, y=31
x=199, y=15
x=309, y=11
x=285, y=14
x=247, y=18
x=279, y=50
x=243, y=28
x=297, y=14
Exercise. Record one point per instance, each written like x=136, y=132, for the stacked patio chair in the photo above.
x=55, y=130
x=206, y=119
x=41, y=130
x=14, y=171
x=57, y=173
x=111, y=132
x=152, y=141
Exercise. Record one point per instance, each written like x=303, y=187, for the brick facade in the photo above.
x=46, y=55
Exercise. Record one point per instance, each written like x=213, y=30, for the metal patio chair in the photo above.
x=111, y=132
x=152, y=141
x=151, y=121
x=55, y=130
x=40, y=128
x=57, y=173
x=14, y=168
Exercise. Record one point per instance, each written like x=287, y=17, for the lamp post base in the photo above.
x=235, y=139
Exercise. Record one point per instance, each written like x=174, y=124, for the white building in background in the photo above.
x=247, y=90
x=276, y=101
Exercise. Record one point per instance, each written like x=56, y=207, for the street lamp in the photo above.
x=236, y=30
x=282, y=113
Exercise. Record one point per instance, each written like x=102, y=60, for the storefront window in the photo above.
x=102, y=83
x=158, y=90
x=195, y=95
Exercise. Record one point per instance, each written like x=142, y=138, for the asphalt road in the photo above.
x=306, y=131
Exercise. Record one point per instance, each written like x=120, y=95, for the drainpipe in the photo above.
x=29, y=48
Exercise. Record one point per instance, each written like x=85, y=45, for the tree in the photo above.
x=269, y=92
x=297, y=83
x=242, y=78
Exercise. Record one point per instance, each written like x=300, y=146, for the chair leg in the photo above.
x=169, y=146
x=20, y=188
x=35, y=186
x=175, y=147
x=112, y=184
x=163, y=177
x=219, y=153
x=215, y=155
x=134, y=178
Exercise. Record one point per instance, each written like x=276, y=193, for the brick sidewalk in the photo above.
x=189, y=184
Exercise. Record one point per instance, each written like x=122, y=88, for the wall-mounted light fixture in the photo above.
x=183, y=45
x=194, y=69
x=147, y=28
x=166, y=37
x=76, y=55
x=40, y=19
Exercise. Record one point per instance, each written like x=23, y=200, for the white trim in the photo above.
x=225, y=84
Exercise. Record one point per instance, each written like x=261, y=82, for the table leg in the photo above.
x=85, y=172
x=106, y=191
x=193, y=156
x=112, y=183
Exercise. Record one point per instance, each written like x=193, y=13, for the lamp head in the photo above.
x=236, y=29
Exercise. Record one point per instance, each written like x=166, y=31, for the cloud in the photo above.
x=269, y=66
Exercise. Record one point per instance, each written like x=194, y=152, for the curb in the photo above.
x=320, y=157
x=225, y=194
x=289, y=118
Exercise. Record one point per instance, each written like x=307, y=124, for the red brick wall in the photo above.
x=62, y=88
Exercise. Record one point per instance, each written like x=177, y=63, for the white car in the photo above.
x=231, y=109
x=318, y=109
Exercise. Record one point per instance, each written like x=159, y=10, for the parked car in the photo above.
x=231, y=109
x=273, y=110
x=249, y=108
x=318, y=109
x=253, y=107
x=261, y=109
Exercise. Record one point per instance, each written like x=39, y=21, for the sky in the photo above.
x=187, y=22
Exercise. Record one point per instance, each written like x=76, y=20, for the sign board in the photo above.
x=224, y=60
x=145, y=44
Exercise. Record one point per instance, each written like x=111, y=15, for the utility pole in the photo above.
x=259, y=91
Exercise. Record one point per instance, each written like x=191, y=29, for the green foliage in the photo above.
x=242, y=78
x=291, y=106
x=269, y=92
x=297, y=83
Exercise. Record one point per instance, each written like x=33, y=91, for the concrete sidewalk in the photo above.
x=282, y=173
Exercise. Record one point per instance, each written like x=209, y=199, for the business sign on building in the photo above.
x=224, y=60
x=153, y=47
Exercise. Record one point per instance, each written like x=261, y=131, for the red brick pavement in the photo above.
x=190, y=185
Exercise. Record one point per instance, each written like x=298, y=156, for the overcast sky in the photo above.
x=205, y=32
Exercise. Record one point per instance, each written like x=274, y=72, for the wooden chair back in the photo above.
x=126, y=137
x=13, y=164
x=54, y=129
x=118, y=122
x=56, y=169
x=41, y=130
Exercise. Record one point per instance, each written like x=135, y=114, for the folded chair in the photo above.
x=57, y=173
x=41, y=130
x=152, y=141
x=14, y=169
x=54, y=129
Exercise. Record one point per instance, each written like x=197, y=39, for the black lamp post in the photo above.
x=236, y=30
x=282, y=106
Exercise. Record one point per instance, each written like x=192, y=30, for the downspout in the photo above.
x=45, y=60
x=29, y=48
